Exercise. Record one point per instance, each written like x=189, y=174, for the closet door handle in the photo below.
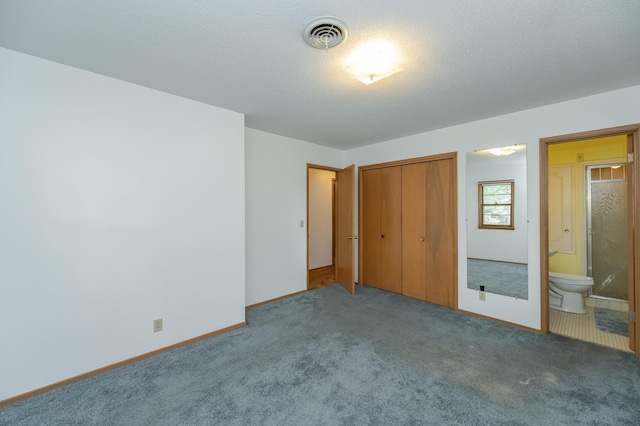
x=422, y=239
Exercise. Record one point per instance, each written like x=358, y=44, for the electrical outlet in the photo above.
x=157, y=325
x=482, y=295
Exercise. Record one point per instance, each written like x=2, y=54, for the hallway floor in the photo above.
x=321, y=277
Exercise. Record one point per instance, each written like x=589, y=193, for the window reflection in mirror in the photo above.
x=496, y=204
x=497, y=221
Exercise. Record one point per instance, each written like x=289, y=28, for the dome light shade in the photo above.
x=374, y=61
x=507, y=150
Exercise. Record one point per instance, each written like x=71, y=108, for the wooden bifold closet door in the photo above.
x=382, y=240
x=414, y=231
x=408, y=229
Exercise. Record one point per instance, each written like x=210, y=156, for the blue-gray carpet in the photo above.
x=377, y=358
x=609, y=321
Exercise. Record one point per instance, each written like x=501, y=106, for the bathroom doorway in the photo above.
x=593, y=243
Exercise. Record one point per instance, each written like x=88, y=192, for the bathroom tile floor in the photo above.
x=583, y=327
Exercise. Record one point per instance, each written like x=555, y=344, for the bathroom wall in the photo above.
x=594, y=151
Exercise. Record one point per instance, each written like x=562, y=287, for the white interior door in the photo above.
x=561, y=201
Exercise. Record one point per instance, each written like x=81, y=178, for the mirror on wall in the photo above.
x=497, y=221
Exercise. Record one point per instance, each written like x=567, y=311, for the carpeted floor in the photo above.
x=327, y=358
x=507, y=279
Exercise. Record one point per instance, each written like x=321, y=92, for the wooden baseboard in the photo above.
x=328, y=267
x=512, y=324
x=286, y=296
x=101, y=370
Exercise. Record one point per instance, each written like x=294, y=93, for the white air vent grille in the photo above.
x=325, y=32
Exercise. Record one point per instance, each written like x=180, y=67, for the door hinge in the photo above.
x=629, y=157
x=632, y=316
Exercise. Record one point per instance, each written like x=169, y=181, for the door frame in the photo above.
x=336, y=219
x=331, y=169
x=633, y=147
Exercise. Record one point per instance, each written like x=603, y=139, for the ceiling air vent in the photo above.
x=325, y=32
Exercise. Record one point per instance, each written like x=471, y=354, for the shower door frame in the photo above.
x=589, y=218
x=632, y=132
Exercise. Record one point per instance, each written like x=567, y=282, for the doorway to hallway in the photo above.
x=321, y=218
x=330, y=226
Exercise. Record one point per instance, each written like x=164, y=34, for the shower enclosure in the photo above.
x=607, y=232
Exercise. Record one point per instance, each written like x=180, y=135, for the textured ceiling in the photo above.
x=463, y=60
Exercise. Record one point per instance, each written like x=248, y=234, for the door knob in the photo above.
x=421, y=239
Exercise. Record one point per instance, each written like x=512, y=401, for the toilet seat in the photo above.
x=562, y=278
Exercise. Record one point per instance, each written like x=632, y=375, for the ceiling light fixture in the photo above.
x=507, y=150
x=374, y=61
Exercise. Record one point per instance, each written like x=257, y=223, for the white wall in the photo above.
x=120, y=205
x=497, y=244
x=320, y=218
x=609, y=109
x=276, y=202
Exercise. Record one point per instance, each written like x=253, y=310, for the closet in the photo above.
x=408, y=230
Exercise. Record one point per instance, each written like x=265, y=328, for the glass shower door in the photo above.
x=607, y=231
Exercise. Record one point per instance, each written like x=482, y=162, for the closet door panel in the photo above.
x=371, y=196
x=391, y=229
x=440, y=245
x=413, y=230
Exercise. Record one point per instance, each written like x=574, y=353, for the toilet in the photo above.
x=567, y=292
